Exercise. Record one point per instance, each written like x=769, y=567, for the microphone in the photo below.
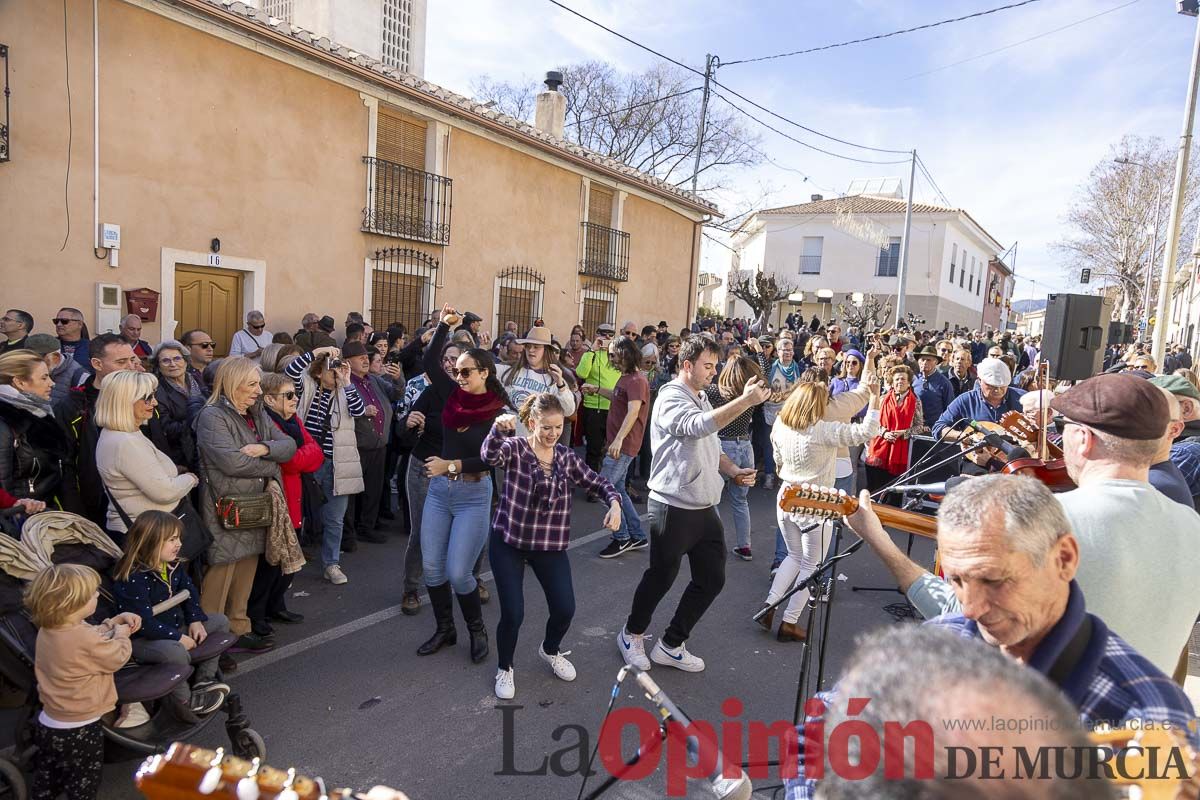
x=738, y=788
x=924, y=488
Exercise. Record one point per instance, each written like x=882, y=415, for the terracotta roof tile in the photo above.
x=465, y=104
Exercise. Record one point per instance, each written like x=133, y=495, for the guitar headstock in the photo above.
x=1019, y=425
x=818, y=502
x=186, y=772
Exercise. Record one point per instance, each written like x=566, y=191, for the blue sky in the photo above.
x=1009, y=136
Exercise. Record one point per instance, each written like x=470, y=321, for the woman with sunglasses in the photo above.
x=268, y=594
x=454, y=522
x=180, y=398
x=137, y=475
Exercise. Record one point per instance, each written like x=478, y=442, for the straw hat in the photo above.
x=538, y=335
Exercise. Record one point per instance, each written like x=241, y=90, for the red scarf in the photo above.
x=464, y=409
x=893, y=416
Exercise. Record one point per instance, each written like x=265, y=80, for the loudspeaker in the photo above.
x=1119, y=333
x=1073, y=339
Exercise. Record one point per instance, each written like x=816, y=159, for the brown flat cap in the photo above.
x=1125, y=406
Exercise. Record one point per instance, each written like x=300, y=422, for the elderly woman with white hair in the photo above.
x=138, y=476
x=240, y=452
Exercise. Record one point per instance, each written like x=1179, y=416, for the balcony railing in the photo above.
x=407, y=203
x=605, y=252
x=810, y=265
x=709, y=279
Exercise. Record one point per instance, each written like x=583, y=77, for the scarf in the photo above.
x=281, y=547
x=289, y=426
x=790, y=374
x=29, y=403
x=895, y=415
x=464, y=409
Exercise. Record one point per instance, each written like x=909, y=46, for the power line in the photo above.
x=929, y=177
x=707, y=76
x=1023, y=41
x=718, y=241
x=803, y=127
x=879, y=36
x=635, y=106
x=800, y=142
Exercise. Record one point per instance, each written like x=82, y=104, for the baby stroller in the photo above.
x=54, y=537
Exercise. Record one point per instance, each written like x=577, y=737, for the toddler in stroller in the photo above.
x=58, y=538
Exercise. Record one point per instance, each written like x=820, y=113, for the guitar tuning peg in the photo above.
x=288, y=793
x=247, y=787
x=212, y=776
x=842, y=494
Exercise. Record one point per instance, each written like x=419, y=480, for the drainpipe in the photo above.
x=96, y=249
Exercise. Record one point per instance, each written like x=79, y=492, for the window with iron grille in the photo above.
x=599, y=305
x=810, y=259
x=397, y=33
x=519, y=294
x=403, y=281
x=888, y=264
x=281, y=9
x=403, y=199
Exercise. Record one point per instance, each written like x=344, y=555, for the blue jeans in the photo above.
x=614, y=472
x=454, y=529
x=740, y=452
x=553, y=571
x=333, y=513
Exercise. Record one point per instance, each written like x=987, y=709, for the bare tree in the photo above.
x=1113, y=221
x=648, y=120
x=870, y=315
x=759, y=290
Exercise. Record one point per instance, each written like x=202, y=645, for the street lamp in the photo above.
x=1158, y=200
x=825, y=296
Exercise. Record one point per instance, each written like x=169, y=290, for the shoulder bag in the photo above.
x=238, y=512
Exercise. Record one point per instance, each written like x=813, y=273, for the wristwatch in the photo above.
x=452, y=468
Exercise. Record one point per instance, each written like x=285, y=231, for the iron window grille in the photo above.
x=810, y=265
x=407, y=203
x=5, y=151
x=605, y=252
x=520, y=291
x=599, y=305
x=403, y=281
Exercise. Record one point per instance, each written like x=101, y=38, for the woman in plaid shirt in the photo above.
x=532, y=524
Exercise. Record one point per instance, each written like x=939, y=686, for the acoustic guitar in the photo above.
x=821, y=503
x=187, y=772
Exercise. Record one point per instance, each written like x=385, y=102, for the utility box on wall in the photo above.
x=143, y=302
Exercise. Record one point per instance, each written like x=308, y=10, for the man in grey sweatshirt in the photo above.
x=685, y=490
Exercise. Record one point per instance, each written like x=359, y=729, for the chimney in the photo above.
x=551, y=106
x=817, y=197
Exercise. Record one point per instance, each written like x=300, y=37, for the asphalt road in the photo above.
x=344, y=695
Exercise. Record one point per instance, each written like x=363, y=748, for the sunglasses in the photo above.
x=284, y=395
x=205, y=345
x=464, y=372
x=60, y=321
x=147, y=399
x=257, y=327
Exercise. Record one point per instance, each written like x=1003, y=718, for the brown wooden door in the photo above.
x=210, y=299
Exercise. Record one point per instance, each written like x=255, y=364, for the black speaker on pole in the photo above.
x=1073, y=340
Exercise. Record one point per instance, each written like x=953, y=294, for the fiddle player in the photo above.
x=1012, y=561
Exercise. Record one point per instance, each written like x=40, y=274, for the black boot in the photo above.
x=472, y=612
x=443, y=611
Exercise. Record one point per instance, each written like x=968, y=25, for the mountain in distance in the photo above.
x=1025, y=306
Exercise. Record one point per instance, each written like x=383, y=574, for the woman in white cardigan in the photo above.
x=535, y=372
x=806, y=448
x=138, y=475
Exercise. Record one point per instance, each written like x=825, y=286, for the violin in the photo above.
x=1048, y=465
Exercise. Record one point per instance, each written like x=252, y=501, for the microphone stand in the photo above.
x=630, y=762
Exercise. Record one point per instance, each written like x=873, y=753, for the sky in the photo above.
x=1009, y=136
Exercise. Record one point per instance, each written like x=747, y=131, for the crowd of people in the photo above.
x=222, y=476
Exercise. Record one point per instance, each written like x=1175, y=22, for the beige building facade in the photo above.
x=250, y=165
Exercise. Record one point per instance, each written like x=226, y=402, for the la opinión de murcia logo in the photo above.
x=854, y=749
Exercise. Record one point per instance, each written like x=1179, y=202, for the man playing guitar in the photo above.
x=988, y=402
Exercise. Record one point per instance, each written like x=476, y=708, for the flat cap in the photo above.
x=1124, y=406
x=1175, y=384
x=44, y=343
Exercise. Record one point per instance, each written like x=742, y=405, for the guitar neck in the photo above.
x=908, y=521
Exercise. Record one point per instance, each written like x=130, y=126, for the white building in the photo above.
x=851, y=244
x=391, y=31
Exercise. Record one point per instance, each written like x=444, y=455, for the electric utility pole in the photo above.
x=711, y=63
x=912, y=179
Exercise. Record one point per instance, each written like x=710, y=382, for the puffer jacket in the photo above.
x=171, y=426
x=146, y=589
x=308, y=458
x=221, y=433
x=35, y=453
x=347, y=464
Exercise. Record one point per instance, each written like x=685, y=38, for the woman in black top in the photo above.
x=454, y=521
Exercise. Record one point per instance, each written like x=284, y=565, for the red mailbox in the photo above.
x=143, y=302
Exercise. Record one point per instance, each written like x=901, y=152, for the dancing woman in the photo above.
x=532, y=525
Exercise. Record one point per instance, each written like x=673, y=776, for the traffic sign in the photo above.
x=1085, y=276
x=1142, y=325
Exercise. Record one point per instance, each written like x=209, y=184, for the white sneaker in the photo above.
x=563, y=669
x=334, y=575
x=505, y=688
x=633, y=649
x=679, y=658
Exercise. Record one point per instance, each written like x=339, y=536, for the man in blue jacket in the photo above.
x=988, y=402
x=933, y=388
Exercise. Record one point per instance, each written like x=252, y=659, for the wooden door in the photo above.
x=210, y=299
